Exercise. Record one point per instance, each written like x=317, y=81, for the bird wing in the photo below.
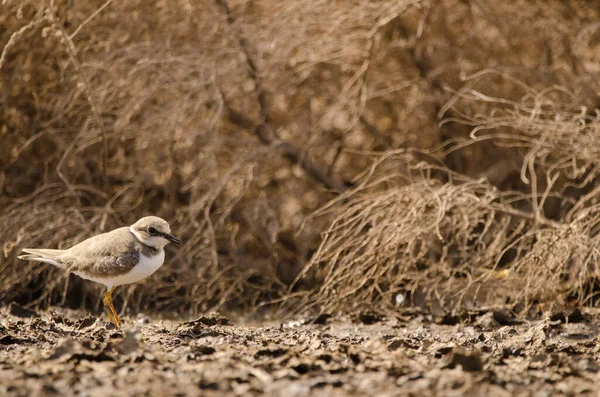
x=105, y=255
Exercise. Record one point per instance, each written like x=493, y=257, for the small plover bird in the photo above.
x=123, y=256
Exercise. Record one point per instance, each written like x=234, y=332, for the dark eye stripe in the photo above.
x=154, y=232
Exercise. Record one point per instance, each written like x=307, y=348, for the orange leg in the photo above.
x=110, y=308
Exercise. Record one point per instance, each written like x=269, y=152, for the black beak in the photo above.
x=172, y=238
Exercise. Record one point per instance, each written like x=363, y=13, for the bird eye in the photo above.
x=151, y=230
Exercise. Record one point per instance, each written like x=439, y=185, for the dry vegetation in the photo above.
x=312, y=155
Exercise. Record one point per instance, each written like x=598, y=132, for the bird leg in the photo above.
x=110, y=308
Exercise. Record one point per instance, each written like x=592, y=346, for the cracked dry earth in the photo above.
x=62, y=352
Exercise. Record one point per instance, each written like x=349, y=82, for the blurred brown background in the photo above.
x=237, y=120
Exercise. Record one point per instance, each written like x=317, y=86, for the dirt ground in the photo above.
x=61, y=352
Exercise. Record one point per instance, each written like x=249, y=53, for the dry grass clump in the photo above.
x=449, y=246
x=408, y=234
x=560, y=268
x=451, y=242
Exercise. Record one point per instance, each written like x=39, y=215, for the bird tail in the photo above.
x=42, y=255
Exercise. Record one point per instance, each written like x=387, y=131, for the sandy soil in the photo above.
x=62, y=352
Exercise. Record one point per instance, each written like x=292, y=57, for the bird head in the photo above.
x=154, y=232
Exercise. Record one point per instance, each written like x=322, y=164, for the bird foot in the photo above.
x=110, y=308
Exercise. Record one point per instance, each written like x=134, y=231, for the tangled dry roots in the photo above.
x=448, y=246
x=447, y=241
